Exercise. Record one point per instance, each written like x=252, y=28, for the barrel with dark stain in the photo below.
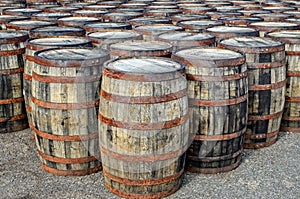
x=12, y=108
x=267, y=86
x=291, y=115
x=140, y=48
x=218, y=93
x=34, y=45
x=64, y=110
x=143, y=126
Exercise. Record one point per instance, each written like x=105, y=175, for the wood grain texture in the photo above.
x=64, y=109
x=217, y=90
x=143, y=126
x=12, y=108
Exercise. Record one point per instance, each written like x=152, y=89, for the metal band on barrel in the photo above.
x=71, y=172
x=225, y=102
x=220, y=137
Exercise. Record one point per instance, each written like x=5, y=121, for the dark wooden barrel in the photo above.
x=64, y=83
x=34, y=45
x=143, y=145
x=291, y=115
x=12, y=108
x=264, y=27
x=140, y=48
x=267, y=86
x=105, y=39
x=218, y=93
x=4, y=19
x=104, y=27
x=199, y=25
x=224, y=32
x=56, y=31
x=181, y=39
x=150, y=32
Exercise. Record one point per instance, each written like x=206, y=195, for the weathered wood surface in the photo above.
x=140, y=48
x=26, y=12
x=49, y=16
x=199, y=25
x=120, y=17
x=77, y=21
x=34, y=45
x=149, y=20
x=143, y=126
x=183, y=17
x=12, y=107
x=265, y=60
x=4, y=19
x=104, y=27
x=179, y=39
x=64, y=109
x=56, y=31
x=264, y=27
x=225, y=32
x=218, y=93
x=26, y=25
x=291, y=115
x=105, y=39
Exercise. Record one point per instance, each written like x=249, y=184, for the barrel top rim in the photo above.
x=113, y=34
x=228, y=29
x=7, y=37
x=141, y=45
x=184, y=36
x=61, y=41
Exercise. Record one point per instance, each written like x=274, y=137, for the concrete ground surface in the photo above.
x=272, y=172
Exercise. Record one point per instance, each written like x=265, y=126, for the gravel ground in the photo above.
x=272, y=172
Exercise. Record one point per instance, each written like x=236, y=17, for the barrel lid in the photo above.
x=269, y=25
x=200, y=24
x=186, y=17
x=8, y=18
x=228, y=8
x=241, y=20
x=79, y=19
x=130, y=10
x=9, y=37
x=144, y=65
x=23, y=10
x=61, y=9
x=231, y=29
x=52, y=14
x=28, y=24
x=157, y=28
x=209, y=57
x=160, y=7
x=51, y=31
x=150, y=20
x=288, y=36
x=141, y=46
x=114, y=35
x=252, y=44
x=94, y=27
x=37, y=44
x=99, y=7
x=70, y=57
x=79, y=4
x=122, y=14
x=184, y=36
x=197, y=10
x=90, y=13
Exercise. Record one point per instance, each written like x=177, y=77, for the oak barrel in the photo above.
x=12, y=107
x=291, y=115
x=64, y=110
x=267, y=86
x=218, y=93
x=56, y=31
x=225, y=32
x=143, y=126
x=34, y=45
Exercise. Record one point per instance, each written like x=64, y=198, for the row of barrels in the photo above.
x=152, y=111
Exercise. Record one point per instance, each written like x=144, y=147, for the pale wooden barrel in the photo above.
x=104, y=27
x=149, y=20
x=34, y=45
x=90, y=13
x=77, y=21
x=150, y=32
x=105, y=39
x=64, y=83
x=264, y=27
x=273, y=17
x=187, y=17
x=267, y=86
x=56, y=31
x=61, y=9
x=199, y=25
x=27, y=25
x=240, y=21
x=4, y=19
x=224, y=32
x=26, y=12
x=140, y=48
x=291, y=115
x=197, y=10
x=100, y=7
x=50, y=16
x=12, y=108
x=163, y=12
x=180, y=39
x=120, y=17
x=218, y=93
x=143, y=126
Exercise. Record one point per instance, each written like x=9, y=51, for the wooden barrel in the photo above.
x=267, y=86
x=180, y=39
x=121, y=16
x=12, y=108
x=197, y=10
x=150, y=32
x=240, y=21
x=224, y=32
x=105, y=27
x=27, y=25
x=218, y=93
x=61, y=9
x=26, y=12
x=105, y=39
x=56, y=31
x=273, y=17
x=264, y=27
x=163, y=12
x=291, y=115
x=64, y=83
x=140, y=48
x=249, y=13
x=100, y=7
x=143, y=146
x=4, y=19
x=148, y=21
x=34, y=45
x=50, y=16
x=199, y=25
x=77, y=21
x=90, y=13
x=184, y=17
x=32, y=3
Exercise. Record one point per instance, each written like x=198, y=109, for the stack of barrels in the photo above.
x=146, y=89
